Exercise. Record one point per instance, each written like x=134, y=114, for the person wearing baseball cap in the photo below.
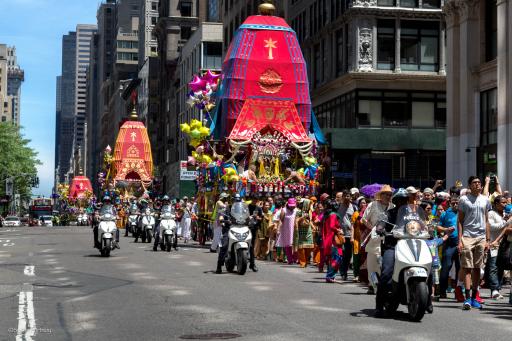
x=354, y=194
x=413, y=194
x=428, y=194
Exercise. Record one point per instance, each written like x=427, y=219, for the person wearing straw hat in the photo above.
x=371, y=216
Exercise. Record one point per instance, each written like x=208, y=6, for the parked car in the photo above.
x=12, y=221
x=46, y=220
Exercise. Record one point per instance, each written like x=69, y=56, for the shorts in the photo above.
x=473, y=252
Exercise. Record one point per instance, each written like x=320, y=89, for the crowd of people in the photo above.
x=470, y=235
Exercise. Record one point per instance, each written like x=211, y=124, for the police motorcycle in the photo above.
x=168, y=230
x=413, y=262
x=82, y=219
x=239, y=237
x=145, y=228
x=106, y=230
x=133, y=220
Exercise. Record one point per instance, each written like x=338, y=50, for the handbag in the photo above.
x=338, y=239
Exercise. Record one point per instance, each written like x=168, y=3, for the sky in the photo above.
x=36, y=28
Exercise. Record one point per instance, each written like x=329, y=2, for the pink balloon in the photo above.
x=197, y=84
x=191, y=160
x=211, y=78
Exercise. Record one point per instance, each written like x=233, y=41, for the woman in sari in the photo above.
x=263, y=233
x=332, y=253
x=316, y=218
x=305, y=233
x=357, y=237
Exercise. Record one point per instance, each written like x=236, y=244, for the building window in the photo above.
x=339, y=52
x=154, y=6
x=431, y=4
x=212, y=55
x=395, y=114
x=186, y=9
x=370, y=113
x=419, y=43
x=409, y=3
x=386, y=44
x=491, y=30
x=386, y=2
x=318, y=64
x=488, y=117
x=153, y=20
x=423, y=114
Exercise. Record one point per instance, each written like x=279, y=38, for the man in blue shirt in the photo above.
x=448, y=222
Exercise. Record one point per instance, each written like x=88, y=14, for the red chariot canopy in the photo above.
x=264, y=62
x=79, y=185
x=132, y=154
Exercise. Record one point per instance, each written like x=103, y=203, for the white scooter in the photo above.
x=413, y=263
x=240, y=238
x=106, y=232
x=132, y=223
x=148, y=223
x=168, y=236
x=82, y=219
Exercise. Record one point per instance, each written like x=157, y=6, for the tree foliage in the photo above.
x=17, y=160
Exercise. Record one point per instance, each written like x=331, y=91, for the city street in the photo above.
x=52, y=281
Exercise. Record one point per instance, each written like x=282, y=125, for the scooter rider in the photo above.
x=133, y=211
x=165, y=206
x=400, y=199
x=106, y=207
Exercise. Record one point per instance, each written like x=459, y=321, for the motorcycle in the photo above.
x=145, y=230
x=168, y=230
x=131, y=224
x=413, y=263
x=240, y=239
x=82, y=219
x=106, y=232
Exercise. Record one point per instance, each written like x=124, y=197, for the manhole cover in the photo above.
x=210, y=336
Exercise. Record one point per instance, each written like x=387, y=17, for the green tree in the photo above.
x=16, y=160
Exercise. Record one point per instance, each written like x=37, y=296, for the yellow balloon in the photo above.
x=209, y=107
x=194, y=142
x=207, y=159
x=195, y=155
x=234, y=178
x=230, y=171
x=195, y=134
x=225, y=177
x=195, y=124
x=204, y=131
x=185, y=128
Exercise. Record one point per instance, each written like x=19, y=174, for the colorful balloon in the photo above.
x=197, y=84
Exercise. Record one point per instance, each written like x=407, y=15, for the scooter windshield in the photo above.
x=240, y=212
x=411, y=223
x=167, y=209
x=107, y=209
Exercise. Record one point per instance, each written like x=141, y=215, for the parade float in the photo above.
x=128, y=172
x=260, y=136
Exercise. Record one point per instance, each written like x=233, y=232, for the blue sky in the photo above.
x=36, y=27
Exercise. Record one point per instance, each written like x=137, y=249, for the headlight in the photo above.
x=413, y=228
x=241, y=236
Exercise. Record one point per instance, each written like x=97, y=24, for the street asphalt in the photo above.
x=55, y=286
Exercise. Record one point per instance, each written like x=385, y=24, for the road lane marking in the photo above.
x=26, y=315
x=29, y=270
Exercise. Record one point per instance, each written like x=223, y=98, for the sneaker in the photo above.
x=355, y=279
x=459, y=295
x=330, y=280
x=478, y=298
x=467, y=304
x=496, y=295
x=475, y=304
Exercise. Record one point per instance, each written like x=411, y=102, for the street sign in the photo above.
x=9, y=187
x=187, y=175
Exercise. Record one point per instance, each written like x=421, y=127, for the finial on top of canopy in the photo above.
x=266, y=8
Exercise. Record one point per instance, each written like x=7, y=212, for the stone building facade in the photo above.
x=479, y=89
x=377, y=79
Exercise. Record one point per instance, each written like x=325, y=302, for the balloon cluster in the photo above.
x=196, y=130
x=230, y=175
x=202, y=90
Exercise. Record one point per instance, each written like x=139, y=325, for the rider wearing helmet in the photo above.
x=165, y=205
x=225, y=221
x=400, y=198
x=106, y=206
